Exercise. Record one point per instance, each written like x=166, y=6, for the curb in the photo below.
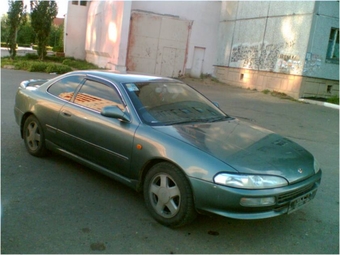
x=334, y=106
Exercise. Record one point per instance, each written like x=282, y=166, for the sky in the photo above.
x=62, y=7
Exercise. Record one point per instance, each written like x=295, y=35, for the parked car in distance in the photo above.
x=161, y=137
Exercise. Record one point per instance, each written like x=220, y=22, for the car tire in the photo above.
x=34, y=137
x=168, y=195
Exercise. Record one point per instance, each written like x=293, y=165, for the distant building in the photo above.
x=58, y=21
x=291, y=47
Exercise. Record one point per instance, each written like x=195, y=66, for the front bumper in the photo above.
x=225, y=201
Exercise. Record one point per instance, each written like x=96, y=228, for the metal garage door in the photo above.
x=157, y=44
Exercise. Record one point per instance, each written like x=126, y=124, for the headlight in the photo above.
x=250, y=181
x=316, y=165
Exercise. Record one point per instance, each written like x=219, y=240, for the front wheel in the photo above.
x=168, y=196
x=34, y=137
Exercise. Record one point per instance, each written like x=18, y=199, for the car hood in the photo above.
x=248, y=149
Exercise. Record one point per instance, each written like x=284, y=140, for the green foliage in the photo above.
x=16, y=18
x=37, y=67
x=56, y=38
x=58, y=49
x=4, y=29
x=47, y=48
x=42, y=15
x=266, y=91
x=30, y=56
x=6, y=61
x=55, y=59
x=26, y=34
x=59, y=69
x=79, y=64
x=45, y=67
x=333, y=100
x=51, y=64
x=22, y=65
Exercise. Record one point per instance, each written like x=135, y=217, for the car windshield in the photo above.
x=170, y=103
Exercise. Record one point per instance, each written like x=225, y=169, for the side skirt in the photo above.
x=55, y=148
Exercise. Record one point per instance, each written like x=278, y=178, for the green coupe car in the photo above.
x=161, y=137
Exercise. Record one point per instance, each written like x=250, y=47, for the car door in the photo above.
x=83, y=131
x=59, y=93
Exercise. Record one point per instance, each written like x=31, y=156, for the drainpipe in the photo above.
x=265, y=31
x=232, y=40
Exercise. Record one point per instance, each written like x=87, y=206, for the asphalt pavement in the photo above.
x=54, y=205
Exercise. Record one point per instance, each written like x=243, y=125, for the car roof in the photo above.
x=123, y=77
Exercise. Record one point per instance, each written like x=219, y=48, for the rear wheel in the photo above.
x=34, y=137
x=168, y=195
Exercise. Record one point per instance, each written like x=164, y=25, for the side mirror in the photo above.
x=114, y=112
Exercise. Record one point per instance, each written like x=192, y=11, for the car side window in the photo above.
x=65, y=88
x=96, y=96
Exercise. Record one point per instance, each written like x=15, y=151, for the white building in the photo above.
x=162, y=38
x=287, y=46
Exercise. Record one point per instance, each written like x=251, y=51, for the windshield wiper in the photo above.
x=215, y=119
x=198, y=120
x=183, y=122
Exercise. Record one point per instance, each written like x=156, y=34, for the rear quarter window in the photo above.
x=65, y=87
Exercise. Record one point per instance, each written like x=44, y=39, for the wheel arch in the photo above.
x=22, y=122
x=148, y=165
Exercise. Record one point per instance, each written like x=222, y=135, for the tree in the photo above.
x=16, y=17
x=42, y=15
x=26, y=34
x=56, y=39
x=4, y=28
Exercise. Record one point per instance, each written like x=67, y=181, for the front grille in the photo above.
x=294, y=194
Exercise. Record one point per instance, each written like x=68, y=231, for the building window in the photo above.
x=75, y=2
x=333, y=46
x=83, y=3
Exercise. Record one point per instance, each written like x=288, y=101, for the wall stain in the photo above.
x=98, y=246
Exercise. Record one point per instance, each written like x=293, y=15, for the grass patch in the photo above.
x=333, y=100
x=51, y=64
x=37, y=67
x=278, y=94
x=59, y=69
x=22, y=65
x=79, y=64
x=281, y=95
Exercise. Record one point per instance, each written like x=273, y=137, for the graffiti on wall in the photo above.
x=312, y=63
x=289, y=64
x=263, y=56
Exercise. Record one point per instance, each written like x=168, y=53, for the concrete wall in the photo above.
x=296, y=86
x=75, y=30
x=266, y=35
x=107, y=34
x=278, y=45
x=260, y=80
x=204, y=31
x=326, y=16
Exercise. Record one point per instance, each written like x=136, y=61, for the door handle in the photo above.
x=67, y=114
